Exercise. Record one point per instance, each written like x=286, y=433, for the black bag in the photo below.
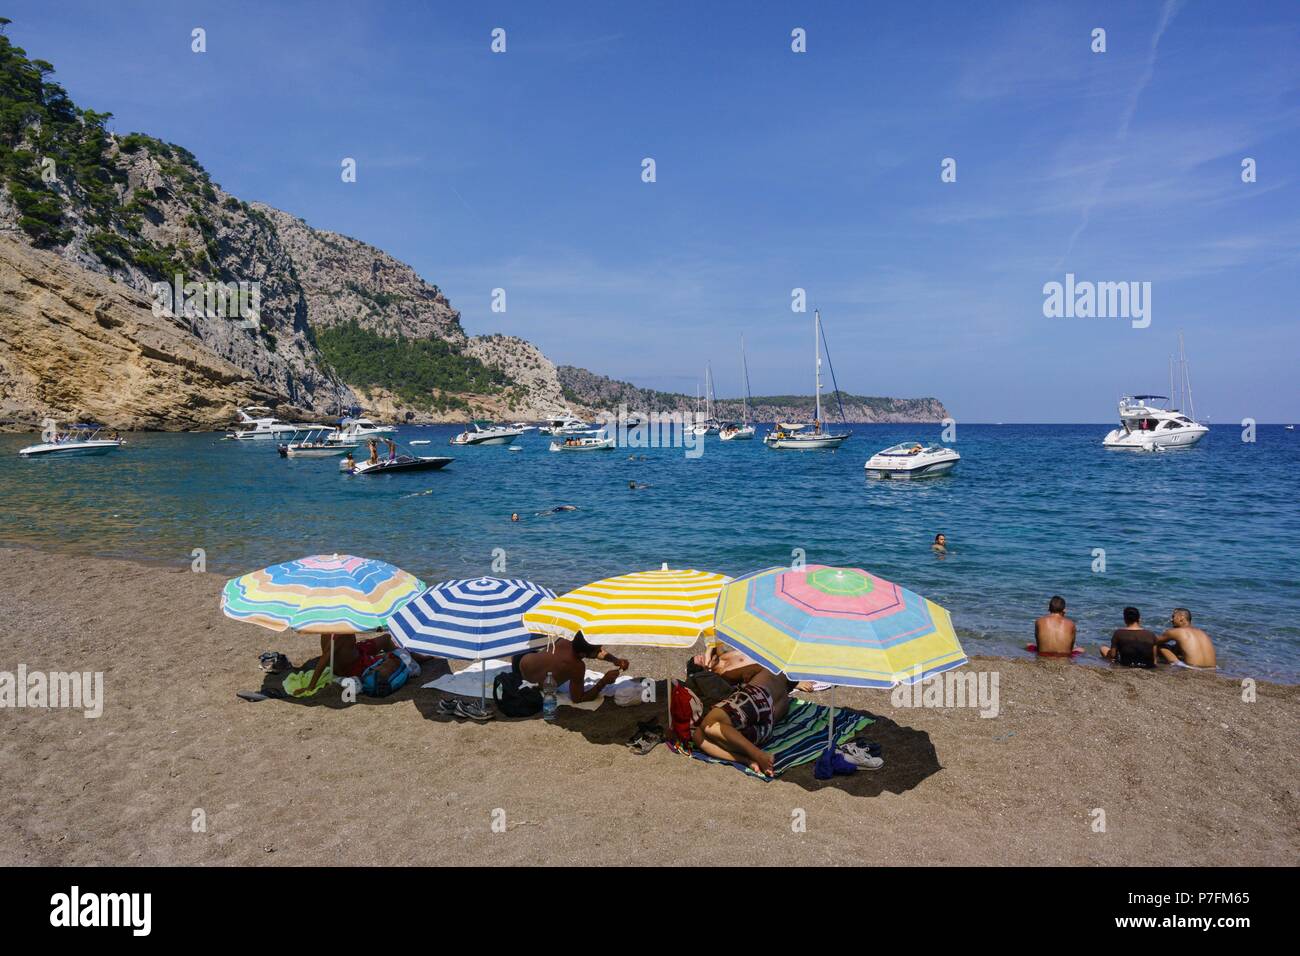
x=513, y=698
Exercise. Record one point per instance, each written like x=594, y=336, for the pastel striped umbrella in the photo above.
x=321, y=594
x=839, y=625
x=661, y=608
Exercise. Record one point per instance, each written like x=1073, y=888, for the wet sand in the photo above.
x=1184, y=770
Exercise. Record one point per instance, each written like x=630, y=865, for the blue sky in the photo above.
x=775, y=170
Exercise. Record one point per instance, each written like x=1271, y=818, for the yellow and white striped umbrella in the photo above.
x=648, y=608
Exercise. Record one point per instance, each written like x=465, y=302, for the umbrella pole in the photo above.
x=331, y=658
x=482, y=684
x=830, y=727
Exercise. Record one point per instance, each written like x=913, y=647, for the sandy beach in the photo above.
x=1184, y=770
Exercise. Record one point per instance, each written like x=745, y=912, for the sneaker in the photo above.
x=870, y=746
x=649, y=734
x=446, y=707
x=473, y=710
x=860, y=757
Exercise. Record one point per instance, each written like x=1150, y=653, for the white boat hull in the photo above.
x=1184, y=437
x=740, y=434
x=930, y=470
x=495, y=438
x=809, y=443
x=72, y=449
x=606, y=444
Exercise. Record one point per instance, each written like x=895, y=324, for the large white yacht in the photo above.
x=564, y=423
x=1145, y=425
x=352, y=430
x=264, y=428
x=485, y=433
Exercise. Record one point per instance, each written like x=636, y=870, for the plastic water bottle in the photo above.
x=549, y=701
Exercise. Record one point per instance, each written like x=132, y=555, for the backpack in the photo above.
x=373, y=685
x=514, y=699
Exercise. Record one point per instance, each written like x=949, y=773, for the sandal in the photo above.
x=649, y=735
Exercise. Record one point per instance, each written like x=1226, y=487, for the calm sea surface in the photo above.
x=1213, y=528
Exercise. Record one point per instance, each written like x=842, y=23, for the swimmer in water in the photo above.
x=514, y=516
x=940, y=546
x=633, y=486
x=556, y=510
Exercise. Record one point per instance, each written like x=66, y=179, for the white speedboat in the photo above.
x=596, y=440
x=483, y=433
x=564, y=423
x=77, y=441
x=264, y=428
x=353, y=430
x=911, y=459
x=1147, y=426
x=808, y=436
x=314, y=443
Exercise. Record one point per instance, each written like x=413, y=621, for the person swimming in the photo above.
x=634, y=486
x=556, y=510
x=514, y=516
x=940, y=545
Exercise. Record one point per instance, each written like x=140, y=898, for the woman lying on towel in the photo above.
x=737, y=725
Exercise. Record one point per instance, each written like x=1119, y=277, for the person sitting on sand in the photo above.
x=737, y=725
x=1191, y=645
x=565, y=662
x=1054, y=632
x=352, y=657
x=1132, y=645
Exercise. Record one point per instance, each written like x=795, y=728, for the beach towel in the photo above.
x=466, y=683
x=799, y=738
x=300, y=679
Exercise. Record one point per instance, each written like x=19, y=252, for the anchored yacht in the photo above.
x=911, y=459
x=1146, y=426
x=485, y=433
x=77, y=441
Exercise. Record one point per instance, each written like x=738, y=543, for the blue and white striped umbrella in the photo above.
x=470, y=619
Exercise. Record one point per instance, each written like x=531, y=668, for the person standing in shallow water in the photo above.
x=940, y=546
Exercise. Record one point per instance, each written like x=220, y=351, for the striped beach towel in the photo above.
x=798, y=739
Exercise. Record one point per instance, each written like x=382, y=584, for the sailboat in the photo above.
x=709, y=425
x=743, y=431
x=808, y=436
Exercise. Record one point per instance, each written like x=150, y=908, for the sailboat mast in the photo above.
x=744, y=365
x=817, y=362
x=1187, y=381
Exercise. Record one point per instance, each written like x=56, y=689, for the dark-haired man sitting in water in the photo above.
x=1054, y=632
x=565, y=662
x=1132, y=645
x=1191, y=645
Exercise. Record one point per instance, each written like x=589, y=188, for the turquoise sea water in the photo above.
x=1213, y=528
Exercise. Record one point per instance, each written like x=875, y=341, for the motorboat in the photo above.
x=484, y=433
x=314, y=443
x=394, y=463
x=592, y=440
x=564, y=423
x=741, y=430
x=911, y=459
x=353, y=430
x=1147, y=425
x=524, y=427
x=809, y=436
x=78, y=441
x=261, y=428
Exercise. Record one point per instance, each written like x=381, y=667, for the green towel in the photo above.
x=300, y=679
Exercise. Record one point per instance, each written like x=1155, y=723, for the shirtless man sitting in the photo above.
x=737, y=725
x=565, y=662
x=1054, y=632
x=1192, y=646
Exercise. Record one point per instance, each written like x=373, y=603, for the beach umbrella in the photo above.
x=320, y=594
x=470, y=619
x=664, y=608
x=841, y=626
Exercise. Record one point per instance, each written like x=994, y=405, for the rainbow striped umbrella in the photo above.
x=839, y=625
x=645, y=608
x=321, y=594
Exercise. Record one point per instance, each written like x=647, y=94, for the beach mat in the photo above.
x=798, y=739
x=466, y=683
